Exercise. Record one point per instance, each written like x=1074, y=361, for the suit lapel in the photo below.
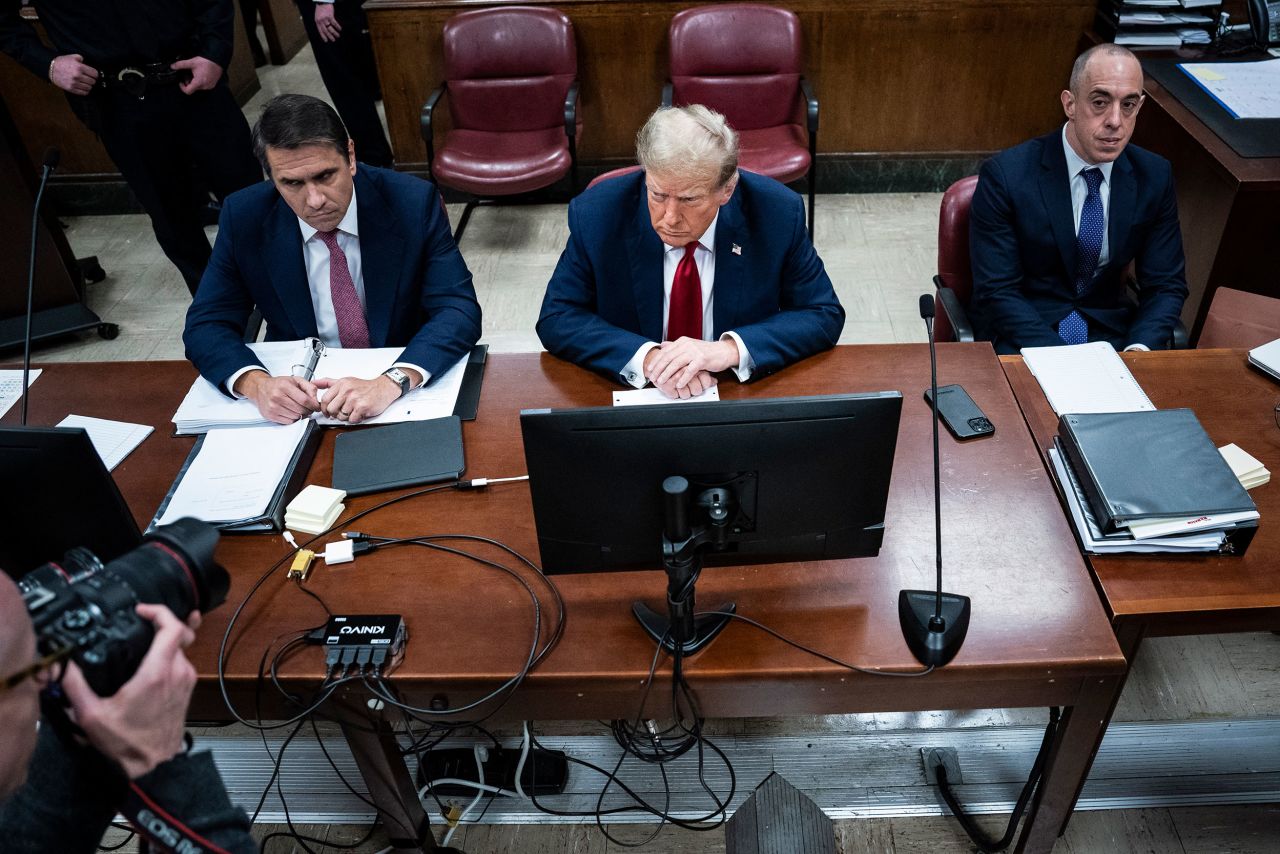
x=644, y=255
x=1055, y=190
x=1124, y=195
x=381, y=256
x=730, y=266
x=282, y=259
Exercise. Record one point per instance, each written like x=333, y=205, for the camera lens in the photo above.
x=174, y=567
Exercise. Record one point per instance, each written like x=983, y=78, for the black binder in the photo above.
x=472, y=380
x=295, y=477
x=398, y=455
x=1144, y=465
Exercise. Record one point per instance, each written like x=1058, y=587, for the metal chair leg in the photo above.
x=462, y=223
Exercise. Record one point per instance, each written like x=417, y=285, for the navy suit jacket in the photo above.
x=1022, y=242
x=418, y=292
x=605, y=297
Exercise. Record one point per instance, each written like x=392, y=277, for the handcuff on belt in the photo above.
x=135, y=79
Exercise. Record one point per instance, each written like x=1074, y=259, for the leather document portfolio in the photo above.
x=295, y=477
x=398, y=455
x=1145, y=465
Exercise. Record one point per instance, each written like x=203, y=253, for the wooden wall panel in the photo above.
x=939, y=76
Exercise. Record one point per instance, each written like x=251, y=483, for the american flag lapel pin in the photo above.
x=736, y=250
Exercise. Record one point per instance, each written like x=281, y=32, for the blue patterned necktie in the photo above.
x=1073, y=328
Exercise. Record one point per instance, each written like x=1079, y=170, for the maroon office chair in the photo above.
x=1239, y=319
x=511, y=75
x=744, y=61
x=613, y=173
x=955, y=276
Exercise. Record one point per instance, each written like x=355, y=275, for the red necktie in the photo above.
x=353, y=330
x=685, y=316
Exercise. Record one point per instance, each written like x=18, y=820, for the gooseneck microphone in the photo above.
x=934, y=623
x=51, y=157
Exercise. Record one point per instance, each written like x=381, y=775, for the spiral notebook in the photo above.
x=1086, y=378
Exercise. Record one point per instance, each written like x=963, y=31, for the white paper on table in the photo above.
x=649, y=396
x=11, y=387
x=1079, y=378
x=1247, y=90
x=113, y=440
x=235, y=474
x=205, y=406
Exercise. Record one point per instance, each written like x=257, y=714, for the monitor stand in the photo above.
x=682, y=548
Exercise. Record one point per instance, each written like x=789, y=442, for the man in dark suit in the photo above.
x=688, y=267
x=358, y=257
x=1056, y=222
x=339, y=34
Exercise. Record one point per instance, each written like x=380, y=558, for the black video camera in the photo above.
x=87, y=608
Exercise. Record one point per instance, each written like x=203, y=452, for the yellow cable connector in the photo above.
x=301, y=567
x=452, y=815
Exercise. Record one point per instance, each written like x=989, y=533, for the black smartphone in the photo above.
x=961, y=415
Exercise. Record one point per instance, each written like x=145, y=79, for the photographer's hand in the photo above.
x=141, y=725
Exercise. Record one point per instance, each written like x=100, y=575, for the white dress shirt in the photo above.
x=705, y=257
x=1080, y=191
x=315, y=257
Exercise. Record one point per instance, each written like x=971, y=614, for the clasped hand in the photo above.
x=683, y=368
x=286, y=399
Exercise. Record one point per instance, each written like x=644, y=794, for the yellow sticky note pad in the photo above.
x=1205, y=72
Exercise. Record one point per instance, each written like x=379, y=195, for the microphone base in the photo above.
x=932, y=644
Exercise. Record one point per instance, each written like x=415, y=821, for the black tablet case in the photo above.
x=398, y=455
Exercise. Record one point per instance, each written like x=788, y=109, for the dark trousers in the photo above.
x=351, y=76
x=172, y=149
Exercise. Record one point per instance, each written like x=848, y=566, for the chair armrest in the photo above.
x=571, y=111
x=811, y=105
x=667, y=93
x=424, y=123
x=954, y=311
x=1180, y=339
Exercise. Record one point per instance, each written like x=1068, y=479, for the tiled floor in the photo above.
x=880, y=252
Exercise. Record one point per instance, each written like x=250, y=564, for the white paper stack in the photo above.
x=235, y=475
x=1245, y=466
x=206, y=408
x=1095, y=541
x=314, y=509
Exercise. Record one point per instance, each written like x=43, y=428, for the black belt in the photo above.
x=135, y=80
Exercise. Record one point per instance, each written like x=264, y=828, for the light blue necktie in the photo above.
x=1073, y=328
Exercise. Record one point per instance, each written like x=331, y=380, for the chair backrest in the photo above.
x=739, y=59
x=1240, y=319
x=613, y=173
x=953, y=248
x=509, y=68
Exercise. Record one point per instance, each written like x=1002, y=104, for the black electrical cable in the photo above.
x=123, y=842
x=235, y=615
x=975, y=833
x=816, y=653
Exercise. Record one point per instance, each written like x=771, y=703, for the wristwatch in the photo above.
x=398, y=377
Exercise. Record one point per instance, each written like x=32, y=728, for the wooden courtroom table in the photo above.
x=1228, y=205
x=931, y=77
x=1038, y=637
x=1162, y=595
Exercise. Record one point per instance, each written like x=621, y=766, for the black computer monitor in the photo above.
x=766, y=480
x=57, y=495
